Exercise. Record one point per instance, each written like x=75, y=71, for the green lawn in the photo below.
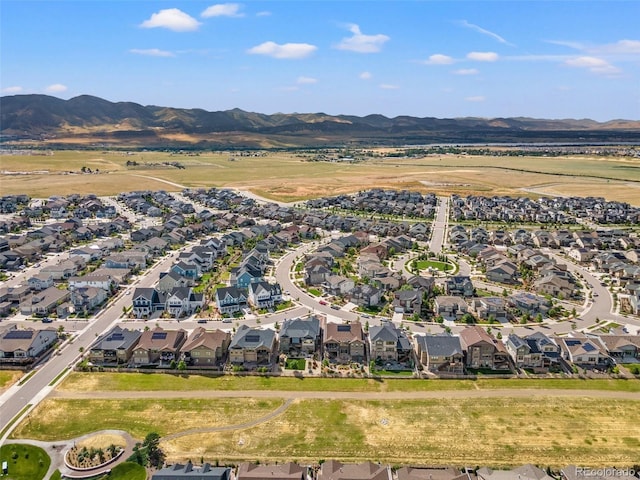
x=56, y=475
x=126, y=471
x=295, y=364
x=315, y=292
x=26, y=462
x=443, y=266
x=104, y=381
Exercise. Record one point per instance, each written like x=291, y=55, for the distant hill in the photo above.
x=91, y=119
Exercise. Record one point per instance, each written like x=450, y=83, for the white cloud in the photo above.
x=466, y=71
x=306, y=80
x=365, y=76
x=361, y=43
x=173, y=19
x=15, y=89
x=483, y=31
x=152, y=52
x=477, y=98
x=284, y=51
x=386, y=86
x=482, y=56
x=593, y=64
x=222, y=10
x=56, y=88
x=439, y=59
x=264, y=13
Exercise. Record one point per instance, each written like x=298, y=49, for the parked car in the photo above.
x=202, y=320
x=47, y=320
x=322, y=302
x=335, y=307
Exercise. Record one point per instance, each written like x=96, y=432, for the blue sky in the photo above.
x=543, y=59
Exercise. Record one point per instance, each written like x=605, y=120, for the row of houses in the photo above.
x=336, y=470
x=543, y=210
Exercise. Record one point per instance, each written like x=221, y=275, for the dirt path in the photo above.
x=323, y=395
x=173, y=184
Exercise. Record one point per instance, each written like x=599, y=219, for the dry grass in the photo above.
x=495, y=432
x=286, y=176
x=8, y=378
x=56, y=419
x=103, y=441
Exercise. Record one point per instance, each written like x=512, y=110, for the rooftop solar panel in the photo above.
x=159, y=336
x=588, y=347
x=19, y=335
x=252, y=338
x=344, y=328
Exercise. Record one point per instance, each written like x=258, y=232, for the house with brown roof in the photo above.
x=622, y=348
x=44, y=302
x=344, y=343
x=159, y=347
x=206, y=348
x=335, y=470
x=483, y=350
x=284, y=471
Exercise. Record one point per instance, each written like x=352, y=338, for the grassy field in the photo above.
x=131, y=382
x=494, y=431
x=56, y=419
x=9, y=377
x=26, y=462
x=287, y=177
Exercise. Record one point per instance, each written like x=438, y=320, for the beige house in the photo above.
x=285, y=471
x=335, y=470
x=159, y=347
x=344, y=343
x=483, y=350
x=206, y=348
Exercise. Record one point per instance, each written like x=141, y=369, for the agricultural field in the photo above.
x=290, y=177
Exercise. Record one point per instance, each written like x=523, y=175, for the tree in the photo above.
x=182, y=365
x=499, y=336
x=173, y=364
x=155, y=455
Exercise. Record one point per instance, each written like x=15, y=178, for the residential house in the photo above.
x=450, y=307
x=525, y=302
x=114, y=347
x=147, y=301
x=338, y=285
x=44, y=302
x=230, y=300
x=407, y=301
x=316, y=275
x=447, y=473
x=488, y=308
x=344, y=343
x=189, y=471
x=189, y=270
x=525, y=354
x=25, y=346
x=264, y=294
x=41, y=281
x=525, y=472
x=365, y=295
x=253, y=346
x=159, y=347
x=206, y=348
x=572, y=472
x=460, y=286
x=284, y=471
x=335, y=470
x=440, y=354
x=622, y=348
x=105, y=282
x=170, y=280
x=183, y=301
x=549, y=349
x=85, y=299
x=300, y=337
x=483, y=350
x=387, y=342
x=584, y=352
x=503, y=272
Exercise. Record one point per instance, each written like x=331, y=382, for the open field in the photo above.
x=78, y=382
x=56, y=419
x=288, y=177
x=546, y=430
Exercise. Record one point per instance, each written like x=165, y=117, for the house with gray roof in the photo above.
x=335, y=470
x=440, y=354
x=189, y=471
x=300, y=337
x=525, y=472
x=253, y=346
x=525, y=354
x=387, y=342
x=283, y=471
x=114, y=347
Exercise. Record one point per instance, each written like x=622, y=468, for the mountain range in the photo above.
x=87, y=119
